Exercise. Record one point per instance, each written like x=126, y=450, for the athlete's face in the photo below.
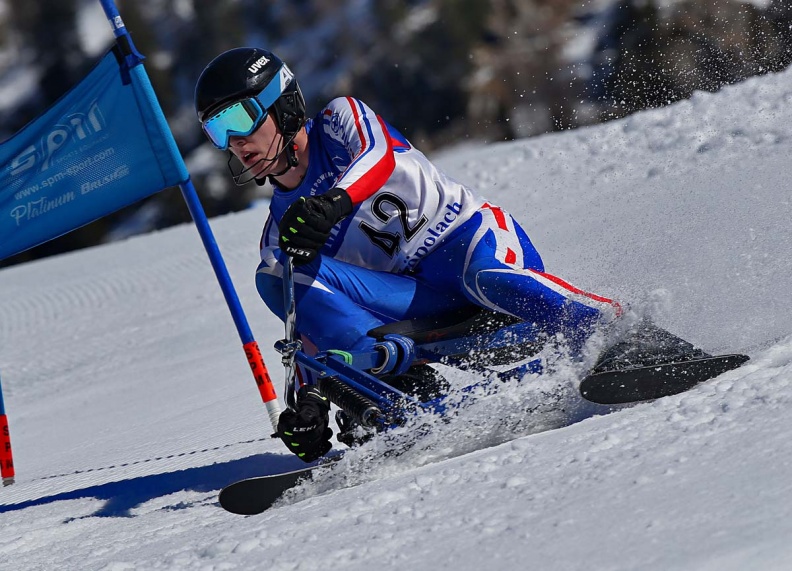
x=256, y=151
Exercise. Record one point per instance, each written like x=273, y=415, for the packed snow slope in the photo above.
x=131, y=403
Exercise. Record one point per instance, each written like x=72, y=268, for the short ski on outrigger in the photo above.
x=655, y=381
x=650, y=363
x=254, y=495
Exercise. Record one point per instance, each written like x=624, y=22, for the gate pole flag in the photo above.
x=102, y=146
x=249, y=344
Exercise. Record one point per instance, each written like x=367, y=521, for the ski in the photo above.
x=253, y=496
x=650, y=382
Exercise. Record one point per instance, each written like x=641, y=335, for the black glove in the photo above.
x=306, y=224
x=305, y=431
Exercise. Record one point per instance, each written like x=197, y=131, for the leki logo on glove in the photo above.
x=297, y=251
x=300, y=429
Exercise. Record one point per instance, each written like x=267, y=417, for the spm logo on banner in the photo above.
x=50, y=167
x=98, y=149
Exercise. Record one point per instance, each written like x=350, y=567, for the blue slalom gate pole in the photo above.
x=251, y=348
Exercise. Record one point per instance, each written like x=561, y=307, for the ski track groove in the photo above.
x=73, y=339
x=70, y=301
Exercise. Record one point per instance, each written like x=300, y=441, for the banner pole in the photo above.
x=6, y=455
x=114, y=17
x=251, y=348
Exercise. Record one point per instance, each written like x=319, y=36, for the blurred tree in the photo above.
x=48, y=29
x=779, y=14
x=520, y=85
x=413, y=74
x=665, y=55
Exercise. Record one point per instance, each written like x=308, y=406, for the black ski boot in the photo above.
x=645, y=346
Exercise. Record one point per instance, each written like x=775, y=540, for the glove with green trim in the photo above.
x=305, y=431
x=306, y=224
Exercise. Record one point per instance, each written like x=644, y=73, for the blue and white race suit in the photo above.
x=417, y=243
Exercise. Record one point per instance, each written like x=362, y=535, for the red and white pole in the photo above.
x=6, y=455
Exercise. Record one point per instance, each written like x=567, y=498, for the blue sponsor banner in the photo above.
x=102, y=146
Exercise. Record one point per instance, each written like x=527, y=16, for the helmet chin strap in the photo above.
x=289, y=147
x=291, y=160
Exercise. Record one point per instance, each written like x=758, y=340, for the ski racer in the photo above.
x=377, y=232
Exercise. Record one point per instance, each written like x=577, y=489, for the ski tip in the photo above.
x=233, y=502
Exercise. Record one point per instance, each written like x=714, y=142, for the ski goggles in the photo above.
x=238, y=119
x=243, y=117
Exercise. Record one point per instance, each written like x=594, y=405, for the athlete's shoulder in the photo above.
x=345, y=104
x=342, y=120
x=344, y=110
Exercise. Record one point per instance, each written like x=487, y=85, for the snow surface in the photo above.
x=131, y=404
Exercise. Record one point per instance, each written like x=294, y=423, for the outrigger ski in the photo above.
x=652, y=363
x=655, y=381
x=648, y=364
x=252, y=496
